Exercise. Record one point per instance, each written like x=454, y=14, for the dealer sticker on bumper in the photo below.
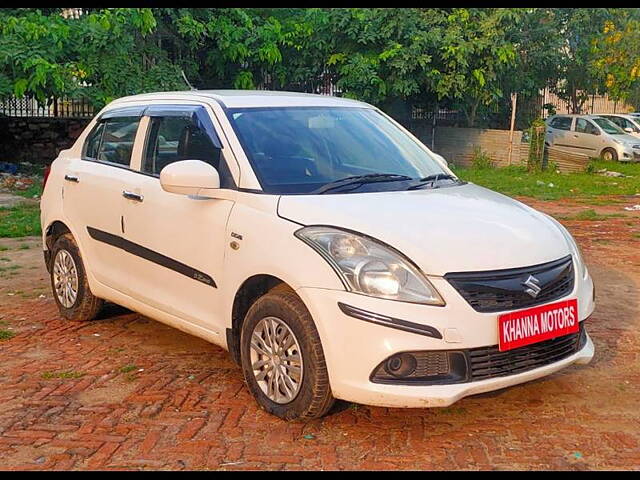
x=524, y=327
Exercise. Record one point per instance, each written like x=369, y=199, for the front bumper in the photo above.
x=353, y=348
x=445, y=395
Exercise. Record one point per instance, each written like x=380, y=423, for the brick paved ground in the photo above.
x=126, y=392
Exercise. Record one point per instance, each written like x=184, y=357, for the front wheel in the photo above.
x=69, y=282
x=282, y=358
x=609, y=155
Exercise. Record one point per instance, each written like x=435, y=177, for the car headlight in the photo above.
x=369, y=267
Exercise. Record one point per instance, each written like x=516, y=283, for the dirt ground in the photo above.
x=126, y=392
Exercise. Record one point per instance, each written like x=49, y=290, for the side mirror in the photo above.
x=190, y=177
x=628, y=129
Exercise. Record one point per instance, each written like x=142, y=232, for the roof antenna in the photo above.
x=186, y=81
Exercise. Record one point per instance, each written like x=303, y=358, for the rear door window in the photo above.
x=561, y=123
x=111, y=141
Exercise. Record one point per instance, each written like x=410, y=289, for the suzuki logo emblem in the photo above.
x=534, y=286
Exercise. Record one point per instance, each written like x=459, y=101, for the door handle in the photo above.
x=132, y=196
x=71, y=178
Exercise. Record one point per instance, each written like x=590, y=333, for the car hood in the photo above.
x=451, y=229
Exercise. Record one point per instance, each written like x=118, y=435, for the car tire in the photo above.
x=300, y=394
x=609, y=155
x=69, y=282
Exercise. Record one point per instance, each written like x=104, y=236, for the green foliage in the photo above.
x=616, y=54
x=466, y=58
x=536, y=133
x=481, y=160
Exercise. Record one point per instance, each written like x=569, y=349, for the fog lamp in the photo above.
x=401, y=365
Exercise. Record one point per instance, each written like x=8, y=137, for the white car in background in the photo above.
x=628, y=123
x=591, y=135
x=324, y=246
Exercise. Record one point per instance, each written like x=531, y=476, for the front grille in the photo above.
x=502, y=290
x=489, y=362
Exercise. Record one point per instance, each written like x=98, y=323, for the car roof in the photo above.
x=623, y=115
x=578, y=115
x=247, y=98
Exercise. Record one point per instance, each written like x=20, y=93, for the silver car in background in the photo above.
x=591, y=135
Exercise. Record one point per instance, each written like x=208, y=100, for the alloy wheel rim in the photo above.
x=276, y=360
x=65, y=278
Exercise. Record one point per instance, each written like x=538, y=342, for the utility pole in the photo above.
x=514, y=99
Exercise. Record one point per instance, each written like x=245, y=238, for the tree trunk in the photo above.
x=471, y=115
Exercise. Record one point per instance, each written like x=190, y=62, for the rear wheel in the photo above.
x=69, y=282
x=282, y=358
x=609, y=154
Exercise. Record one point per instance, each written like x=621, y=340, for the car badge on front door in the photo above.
x=534, y=286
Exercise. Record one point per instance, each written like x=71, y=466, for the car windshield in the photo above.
x=297, y=150
x=608, y=126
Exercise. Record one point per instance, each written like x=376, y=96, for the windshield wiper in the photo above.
x=432, y=180
x=360, y=180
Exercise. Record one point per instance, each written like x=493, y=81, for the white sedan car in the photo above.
x=328, y=250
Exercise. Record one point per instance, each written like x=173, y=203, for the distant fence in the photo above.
x=54, y=108
x=593, y=104
x=458, y=145
x=567, y=162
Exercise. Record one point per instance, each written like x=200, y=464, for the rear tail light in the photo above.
x=47, y=171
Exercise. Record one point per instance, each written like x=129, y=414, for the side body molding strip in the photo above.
x=150, y=255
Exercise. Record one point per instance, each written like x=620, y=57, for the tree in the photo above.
x=578, y=28
x=616, y=55
x=102, y=55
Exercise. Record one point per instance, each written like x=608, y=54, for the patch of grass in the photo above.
x=3, y=248
x=9, y=270
x=67, y=374
x=6, y=334
x=454, y=410
x=129, y=377
x=24, y=246
x=10, y=267
x=128, y=368
x=33, y=191
x=5, y=259
x=636, y=235
x=20, y=221
x=516, y=180
x=590, y=215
